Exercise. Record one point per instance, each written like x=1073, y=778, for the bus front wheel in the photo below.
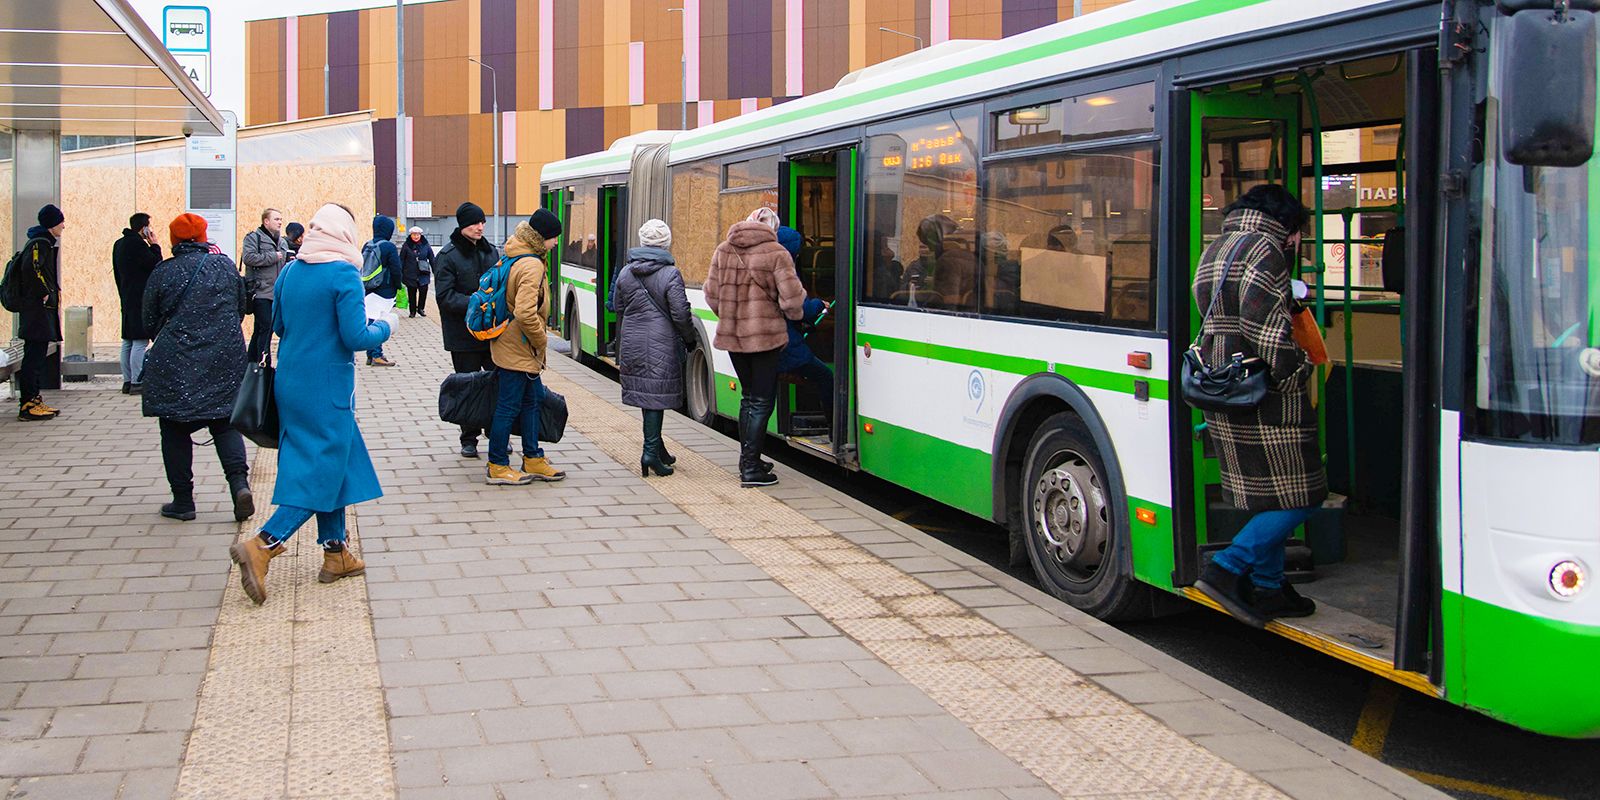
x=1075, y=534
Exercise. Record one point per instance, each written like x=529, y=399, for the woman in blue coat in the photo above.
x=321, y=320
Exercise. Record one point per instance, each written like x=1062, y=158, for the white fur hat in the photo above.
x=655, y=233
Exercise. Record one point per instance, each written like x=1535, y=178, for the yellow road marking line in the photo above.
x=1485, y=789
x=1372, y=730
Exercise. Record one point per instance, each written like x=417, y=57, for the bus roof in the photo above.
x=1129, y=32
x=614, y=160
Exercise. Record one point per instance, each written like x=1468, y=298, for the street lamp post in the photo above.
x=400, y=112
x=903, y=33
x=494, y=88
x=683, y=71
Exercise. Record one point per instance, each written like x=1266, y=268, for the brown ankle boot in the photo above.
x=252, y=559
x=338, y=565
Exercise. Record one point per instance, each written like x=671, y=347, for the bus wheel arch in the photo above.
x=1059, y=490
x=570, y=328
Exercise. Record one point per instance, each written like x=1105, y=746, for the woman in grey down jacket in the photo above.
x=656, y=330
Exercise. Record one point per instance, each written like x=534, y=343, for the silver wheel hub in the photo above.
x=1069, y=514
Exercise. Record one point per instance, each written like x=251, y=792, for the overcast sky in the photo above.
x=227, y=36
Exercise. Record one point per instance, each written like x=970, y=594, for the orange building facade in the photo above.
x=572, y=76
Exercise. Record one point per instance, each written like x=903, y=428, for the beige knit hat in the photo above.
x=655, y=233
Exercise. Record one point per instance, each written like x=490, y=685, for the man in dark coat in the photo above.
x=133, y=258
x=459, y=266
x=263, y=254
x=1269, y=456
x=39, y=321
x=381, y=258
x=194, y=306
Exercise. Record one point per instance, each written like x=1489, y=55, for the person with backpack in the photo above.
x=263, y=254
x=133, y=258
x=31, y=288
x=323, y=465
x=416, y=262
x=519, y=351
x=657, y=331
x=380, y=274
x=194, y=306
x=457, y=271
x=752, y=287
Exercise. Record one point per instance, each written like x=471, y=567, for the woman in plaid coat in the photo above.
x=1269, y=456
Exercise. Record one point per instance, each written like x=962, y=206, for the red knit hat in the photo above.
x=187, y=228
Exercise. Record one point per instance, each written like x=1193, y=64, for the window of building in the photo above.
x=581, y=247
x=921, y=212
x=1070, y=237
x=695, y=231
x=1128, y=111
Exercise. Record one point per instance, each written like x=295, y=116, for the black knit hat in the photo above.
x=50, y=216
x=546, y=224
x=468, y=214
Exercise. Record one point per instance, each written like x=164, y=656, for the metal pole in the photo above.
x=1077, y=8
x=903, y=33
x=400, y=112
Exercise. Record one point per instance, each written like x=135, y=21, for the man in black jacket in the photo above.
x=459, y=266
x=39, y=321
x=133, y=258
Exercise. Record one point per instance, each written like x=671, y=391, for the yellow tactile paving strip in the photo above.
x=291, y=705
x=1077, y=737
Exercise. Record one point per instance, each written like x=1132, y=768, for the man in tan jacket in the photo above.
x=519, y=353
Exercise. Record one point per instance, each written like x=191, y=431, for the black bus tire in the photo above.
x=1075, y=533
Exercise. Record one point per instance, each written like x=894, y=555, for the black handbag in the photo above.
x=469, y=398
x=552, y=417
x=1239, y=385
x=255, y=409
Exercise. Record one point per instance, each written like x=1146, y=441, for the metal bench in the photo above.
x=13, y=358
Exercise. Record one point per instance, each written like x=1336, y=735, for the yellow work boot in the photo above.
x=39, y=401
x=541, y=470
x=32, y=411
x=252, y=555
x=504, y=475
x=338, y=565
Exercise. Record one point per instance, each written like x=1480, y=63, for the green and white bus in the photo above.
x=1008, y=231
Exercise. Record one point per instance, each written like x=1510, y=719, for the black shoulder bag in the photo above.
x=255, y=408
x=1238, y=385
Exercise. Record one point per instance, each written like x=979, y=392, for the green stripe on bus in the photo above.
x=945, y=471
x=1015, y=365
x=577, y=283
x=1156, y=20
x=1532, y=672
x=704, y=313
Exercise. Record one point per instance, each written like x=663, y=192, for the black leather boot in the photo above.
x=651, y=458
x=182, y=506
x=244, y=503
x=753, y=417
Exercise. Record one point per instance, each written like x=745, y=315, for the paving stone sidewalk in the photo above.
x=606, y=636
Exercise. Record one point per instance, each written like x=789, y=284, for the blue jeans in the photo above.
x=520, y=396
x=288, y=519
x=817, y=379
x=1258, y=548
x=133, y=360
x=376, y=352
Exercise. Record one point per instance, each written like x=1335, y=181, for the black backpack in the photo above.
x=13, y=294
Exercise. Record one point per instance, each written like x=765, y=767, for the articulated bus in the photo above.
x=1008, y=231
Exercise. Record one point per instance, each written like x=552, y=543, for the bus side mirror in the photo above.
x=1547, y=104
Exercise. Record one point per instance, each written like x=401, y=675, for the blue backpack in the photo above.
x=488, y=310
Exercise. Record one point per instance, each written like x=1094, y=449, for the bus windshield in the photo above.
x=1538, y=338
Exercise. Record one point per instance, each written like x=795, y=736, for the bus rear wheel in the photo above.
x=1075, y=534
x=570, y=331
x=698, y=391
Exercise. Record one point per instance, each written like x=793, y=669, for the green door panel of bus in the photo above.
x=610, y=261
x=1532, y=672
x=1240, y=119
x=1153, y=561
x=552, y=200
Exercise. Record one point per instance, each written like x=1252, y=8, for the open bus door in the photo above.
x=816, y=196
x=554, y=199
x=613, y=236
x=1237, y=141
